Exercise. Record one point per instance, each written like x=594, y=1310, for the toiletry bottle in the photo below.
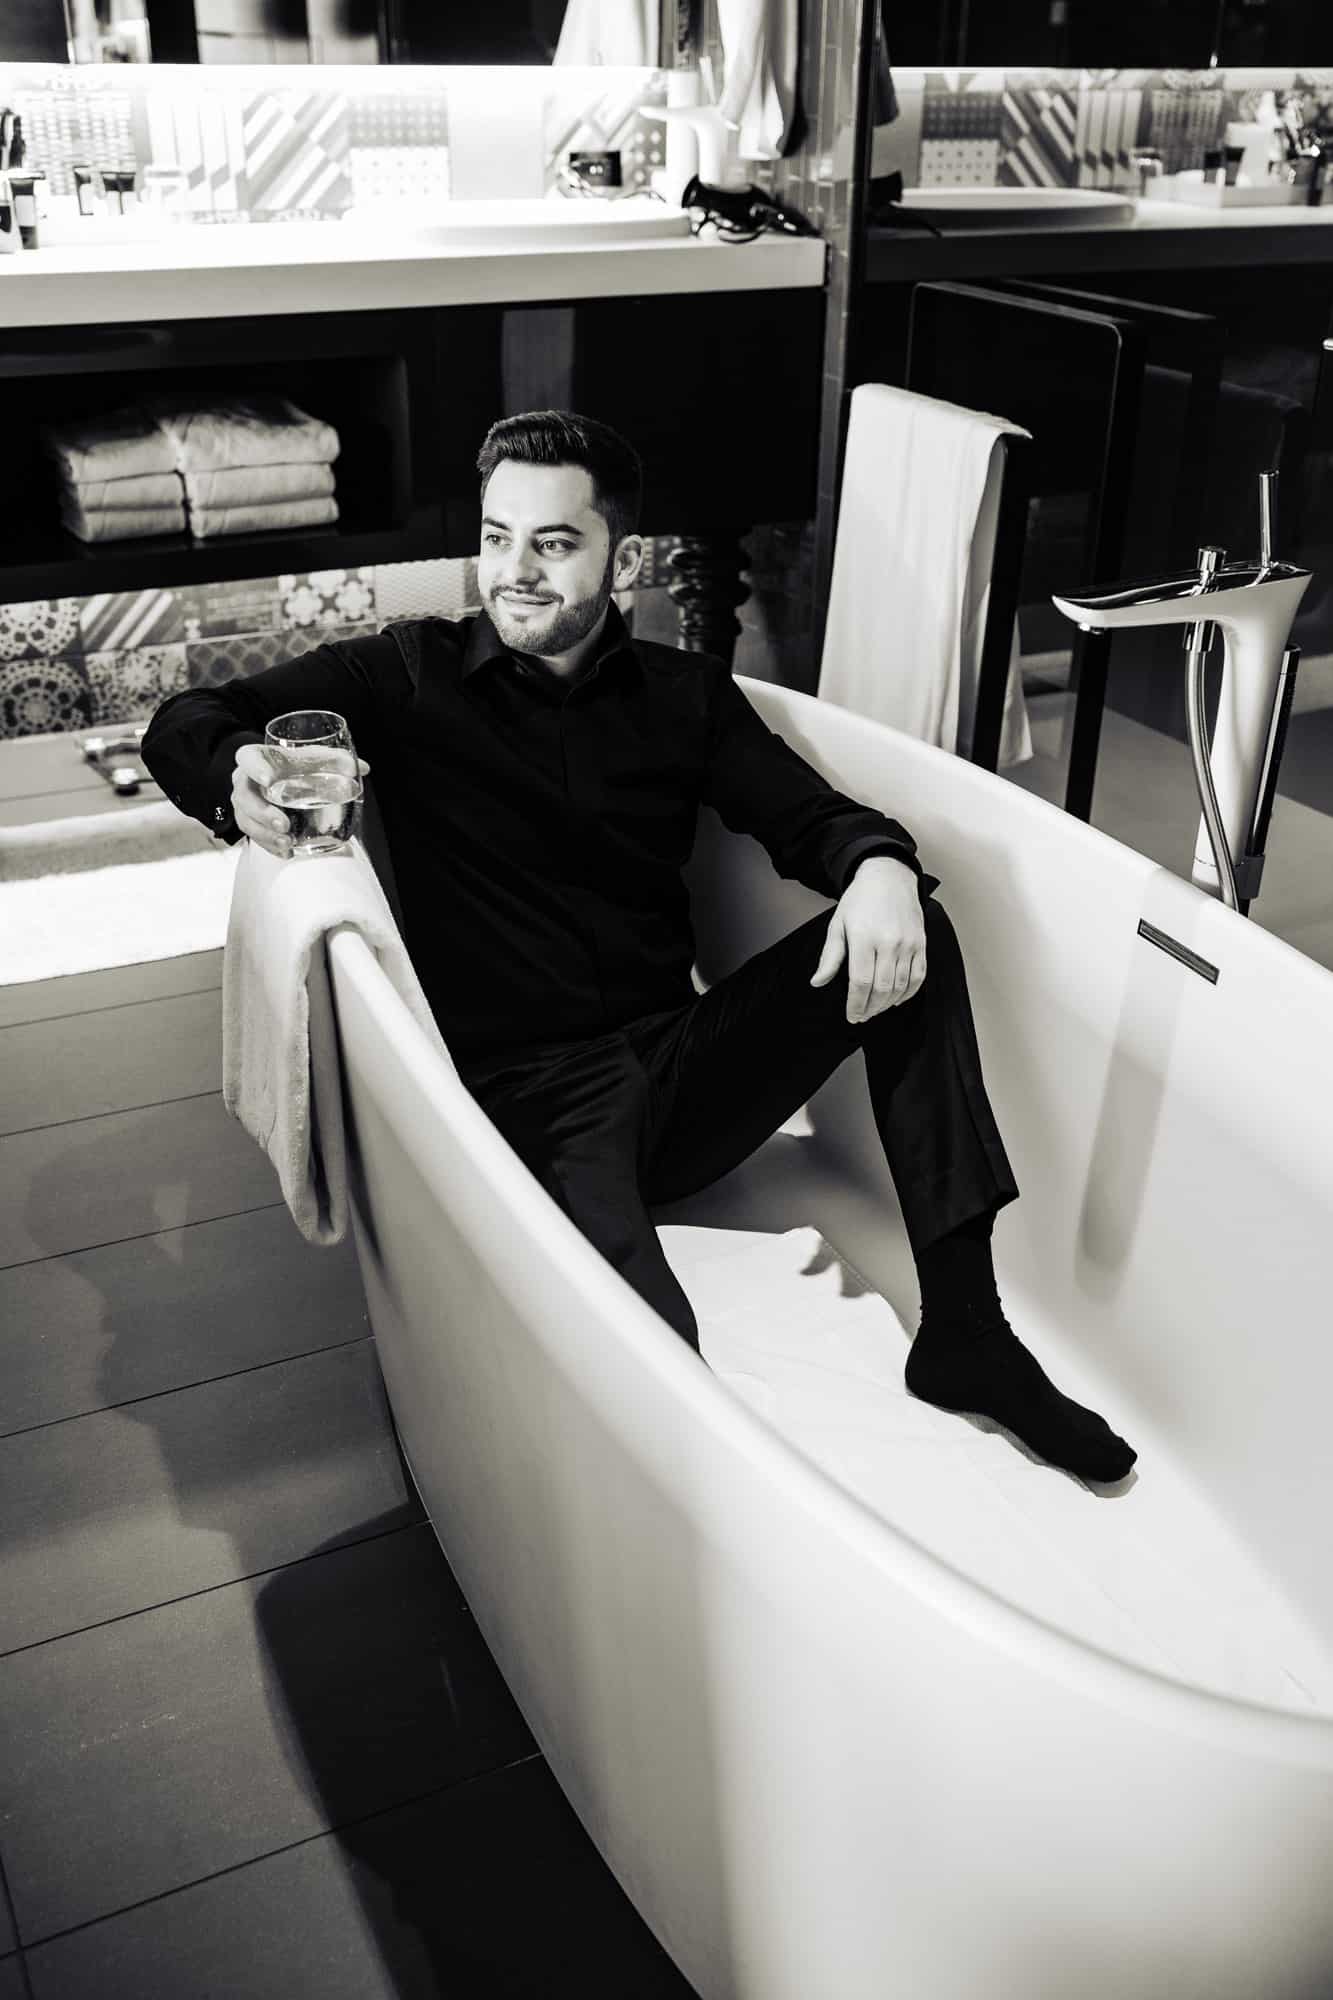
x=10, y=240
x=24, y=183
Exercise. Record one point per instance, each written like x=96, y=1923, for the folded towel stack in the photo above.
x=250, y=463
x=233, y=466
x=118, y=478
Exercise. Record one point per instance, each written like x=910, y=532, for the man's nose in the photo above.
x=525, y=567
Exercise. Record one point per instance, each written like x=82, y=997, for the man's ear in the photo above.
x=628, y=562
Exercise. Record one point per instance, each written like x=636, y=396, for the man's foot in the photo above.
x=986, y=1370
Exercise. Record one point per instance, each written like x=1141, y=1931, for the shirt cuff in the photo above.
x=860, y=850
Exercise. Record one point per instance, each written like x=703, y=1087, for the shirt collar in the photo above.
x=484, y=645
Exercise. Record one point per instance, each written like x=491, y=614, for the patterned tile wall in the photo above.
x=71, y=663
x=256, y=146
x=1052, y=128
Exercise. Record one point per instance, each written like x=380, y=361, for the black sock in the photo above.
x=957, y=1275
x=967, y=1357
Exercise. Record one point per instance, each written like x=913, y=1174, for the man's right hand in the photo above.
x=261, y=822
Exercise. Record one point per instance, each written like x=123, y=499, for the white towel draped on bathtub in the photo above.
x=280, y=1075
x=911, y=569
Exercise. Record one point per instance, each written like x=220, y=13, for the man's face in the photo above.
x=546, y=568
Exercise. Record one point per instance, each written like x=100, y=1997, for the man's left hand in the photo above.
x=879, y=931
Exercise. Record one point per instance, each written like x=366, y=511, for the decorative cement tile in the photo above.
x=399, y=173
x=328, y=597
x=212, y=661
x=216, y=610
x=41, y=695
x=446, y=588
x=400, y=118
x=128, y=686
x=1037, y=138
x=118, y=620
x=296, y=145
x=43, y=629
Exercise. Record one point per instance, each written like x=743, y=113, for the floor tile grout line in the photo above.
x=288, y=1847
x=183, y=1388
x=7, y=1903
x=137, y=1236
x=119, y=1111
x=250, y=1576
x=106, y=1006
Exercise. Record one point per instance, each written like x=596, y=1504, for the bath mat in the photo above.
x=1154, y=1575
x=99, y=840
x=84, y=920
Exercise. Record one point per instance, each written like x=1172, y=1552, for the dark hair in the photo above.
x=562, y=437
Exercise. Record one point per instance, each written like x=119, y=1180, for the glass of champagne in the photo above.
x=314, y=778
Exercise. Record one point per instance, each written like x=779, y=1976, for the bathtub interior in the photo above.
x=1168, y=1260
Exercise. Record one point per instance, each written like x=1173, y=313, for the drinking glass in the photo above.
x=314, y=778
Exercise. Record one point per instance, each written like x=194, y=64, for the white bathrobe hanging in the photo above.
x=616, y=33
x=761, y=47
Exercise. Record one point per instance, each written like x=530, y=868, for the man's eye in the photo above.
x=561, y=548
x=493, y=539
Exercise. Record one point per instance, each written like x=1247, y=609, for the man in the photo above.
x=538, y=775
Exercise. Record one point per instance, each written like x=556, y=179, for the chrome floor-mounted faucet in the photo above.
x=1254, y=605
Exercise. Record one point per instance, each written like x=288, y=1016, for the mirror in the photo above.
x=316, y=31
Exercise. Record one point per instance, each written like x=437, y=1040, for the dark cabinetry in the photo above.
x=1094, y=34
x=1111, y=34
x=718, y=391
x=371, y=375
x=1287, y=33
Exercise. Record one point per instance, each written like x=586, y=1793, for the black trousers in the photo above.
x=664, y=1106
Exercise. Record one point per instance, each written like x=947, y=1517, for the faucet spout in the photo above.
x=1241, y=590
x=1253, y=605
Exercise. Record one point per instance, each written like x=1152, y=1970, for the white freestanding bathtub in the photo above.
x=1017, y=1738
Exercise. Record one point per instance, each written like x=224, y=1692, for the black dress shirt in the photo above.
x=536, y=828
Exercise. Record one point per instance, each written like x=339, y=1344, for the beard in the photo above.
x=571, y=622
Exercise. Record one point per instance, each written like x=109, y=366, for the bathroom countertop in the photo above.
x=294, y=268
x=1161, y=235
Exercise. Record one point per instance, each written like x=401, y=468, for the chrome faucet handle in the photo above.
x=1199, y=635
x=1267, y=514
x=1211, y=560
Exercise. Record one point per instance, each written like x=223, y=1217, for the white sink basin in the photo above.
x=559, y=220
x=1024, y=208
x=382, y=229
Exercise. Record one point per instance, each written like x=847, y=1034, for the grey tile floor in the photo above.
x=252, y=1740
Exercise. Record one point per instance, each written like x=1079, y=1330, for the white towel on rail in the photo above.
x=911, y=569
x=280, y=1074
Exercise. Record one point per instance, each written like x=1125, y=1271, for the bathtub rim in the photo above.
x=1210, y=913
x=1237, y=1724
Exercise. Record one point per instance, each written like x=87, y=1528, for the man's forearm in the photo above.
x=190, y=749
